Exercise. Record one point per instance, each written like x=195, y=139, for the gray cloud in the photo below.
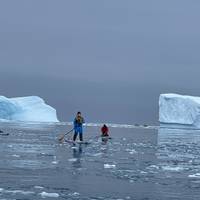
x=110, y=59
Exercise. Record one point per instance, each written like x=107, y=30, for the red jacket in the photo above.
x=104, y=131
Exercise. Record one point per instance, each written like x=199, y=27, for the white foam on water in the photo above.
x=108, y=166
x=55, y=162
x=45, y=194
x=197, y=175
x=1, y=189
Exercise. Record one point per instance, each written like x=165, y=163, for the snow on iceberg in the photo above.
x=179, y=109
x=31, y=108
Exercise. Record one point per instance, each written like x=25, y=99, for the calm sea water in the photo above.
x=137, y=163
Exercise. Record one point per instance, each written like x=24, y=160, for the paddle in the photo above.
x=63, y=135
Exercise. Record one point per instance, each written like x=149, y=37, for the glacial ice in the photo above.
x=179, y=109
x=31, y=108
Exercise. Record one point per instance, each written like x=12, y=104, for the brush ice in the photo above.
x=31, y=108
x=53, y=195
x=179, y=109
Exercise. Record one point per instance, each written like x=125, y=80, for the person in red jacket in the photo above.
x=104, y=131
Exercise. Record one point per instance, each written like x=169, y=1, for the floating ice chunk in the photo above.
x=74, y=194
x=38, y=187
x=131, y=151
x=108, y=166
x=197, y=175
x=143, y=172
x=30, y=108
x=72, y=159
x=153, y=167
x=45, y=194
x=15, y=155
x=19, y=192
x=55, y=162
x=168, y=168
x=97, y=154
x=179, y=109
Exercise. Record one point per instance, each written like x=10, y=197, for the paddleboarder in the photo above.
x=104, y=131
x=78, y=126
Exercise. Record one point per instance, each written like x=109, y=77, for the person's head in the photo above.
x=78, y=114
x=104, y=125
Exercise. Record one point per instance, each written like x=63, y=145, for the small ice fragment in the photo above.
x=75, y=194
x=97, y=154
x=72, y=159
x=15, y=155
x=153, y=167
x=19, y=192
x=108, y=166
x=197, y=175
x=168, y=168
x=133, y=151
x=38, y=187
x=55, y=162
x=45, y=194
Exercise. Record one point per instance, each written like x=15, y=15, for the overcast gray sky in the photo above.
x=108, y=58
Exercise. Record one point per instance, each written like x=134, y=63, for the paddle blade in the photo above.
x=61, y=137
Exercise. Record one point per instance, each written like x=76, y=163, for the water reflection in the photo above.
x=104, y=140
x=77, y=154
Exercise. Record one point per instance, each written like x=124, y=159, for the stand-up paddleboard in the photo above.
x=106, y=137
x=77, y=142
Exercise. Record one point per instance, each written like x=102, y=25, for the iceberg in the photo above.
x=180, y=110
x=28, y=109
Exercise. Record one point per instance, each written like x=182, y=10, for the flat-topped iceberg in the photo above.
x=179, y=109
x=31, y=108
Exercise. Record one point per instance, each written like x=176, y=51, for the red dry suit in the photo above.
x=104, y=131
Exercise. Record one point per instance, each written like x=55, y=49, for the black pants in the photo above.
x=80, y=136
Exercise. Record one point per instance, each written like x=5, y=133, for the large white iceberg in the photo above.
x=31, y=108
x=179, y=109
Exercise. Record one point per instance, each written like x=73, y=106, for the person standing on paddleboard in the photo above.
x=78, y=126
